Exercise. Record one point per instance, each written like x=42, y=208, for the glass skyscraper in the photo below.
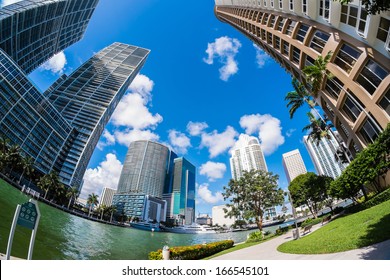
x=60, y=128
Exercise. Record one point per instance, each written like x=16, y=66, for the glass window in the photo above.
x=285, y=48
x=385, y=102
x=277, y=42
x=352, y=106
x=334, y=86
x=383, y=32
x=291, y=4
x=319, y=40
x=347, y=57
x=324, y=9
x=296, y=54
x=290, y=27
x=302, y=32
x=272, y=3
x=281, y=23
x=370, y=130
x=309, y=61
x=269, y=38
x=304, y=7
x=272, y=21
x=371, y=76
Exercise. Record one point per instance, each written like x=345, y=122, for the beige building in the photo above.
x=293, y=165
x=296, y=32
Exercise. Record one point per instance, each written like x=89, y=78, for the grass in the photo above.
x=240, y=246
x=350, y=232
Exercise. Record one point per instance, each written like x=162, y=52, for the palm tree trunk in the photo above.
x=21, y=176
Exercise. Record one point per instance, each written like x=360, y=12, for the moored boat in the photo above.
x=193, y=228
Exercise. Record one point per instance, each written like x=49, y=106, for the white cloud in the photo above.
x=213, y=170
x=107, y=139
x=105, y=175
x=179, y=141
x=290, y=132
x=143, y=86
x=129, y=135
x=8, y=2
x=56, y=64
x=196, y=128
x=261, y=56
x=205, y=195
x=269, y=129
x=132, y=112
x=224, y=48
x=217, y=143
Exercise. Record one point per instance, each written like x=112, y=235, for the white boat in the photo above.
x=193, y=228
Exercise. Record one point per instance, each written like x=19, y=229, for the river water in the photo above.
x=64, y=236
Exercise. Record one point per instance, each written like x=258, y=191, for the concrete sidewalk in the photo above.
x=268, y=251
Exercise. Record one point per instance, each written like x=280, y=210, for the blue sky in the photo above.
x=203, y=85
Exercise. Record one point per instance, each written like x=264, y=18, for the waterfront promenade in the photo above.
x=268, y=251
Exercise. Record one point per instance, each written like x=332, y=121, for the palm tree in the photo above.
x=44, y=184
x=72, y=193
x=13, y=157
x=316, y=73
x=318, y=128
x=111, y=210
x=27, y=166
x=92, y=201
x=298, y=97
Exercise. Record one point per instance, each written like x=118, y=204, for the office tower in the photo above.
x=107, y=196
x=218, y=215
x=32, y=31
x=88, y=97
x=183, y=192
x=144, y=174
x=293, y=165
x=295, y=33
x=323, y=156
x=246, y=155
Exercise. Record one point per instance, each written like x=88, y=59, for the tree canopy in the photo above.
x=309, y=189
x=252, y=194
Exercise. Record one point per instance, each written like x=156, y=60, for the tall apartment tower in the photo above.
x=60, y=128
x=246, y=155
x=293, y=165
x=296, y=32
x=107, y=196
x=89, y=96
x=323, y=156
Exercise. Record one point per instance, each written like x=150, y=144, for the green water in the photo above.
x=63, y=236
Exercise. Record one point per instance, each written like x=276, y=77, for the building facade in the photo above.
x=296, y=32
x=218, y=215
x=89, y=96
x=246, y=156
x=32, y=31
x=293, y=165
x=323, y=156
x=107, y=196
x=152, y=172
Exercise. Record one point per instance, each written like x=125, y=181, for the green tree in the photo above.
x=315, y=74
x=45, y=184
x=251, y=194
x=27, y=167
x=93, y=199
x=318, y=128
x=72, y=194
x=309, y=189
x=13, y=157
x=297, y=98
x=372, y=6
x=111, y=210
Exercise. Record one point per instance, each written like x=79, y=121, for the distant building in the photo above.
x=293, y=165
x=204, y=219
x=107, y=196
x=219, y=216
x=154, y=180
x=323, y=156
x=246, y=156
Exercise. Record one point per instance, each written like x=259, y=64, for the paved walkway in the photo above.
x=267, y=251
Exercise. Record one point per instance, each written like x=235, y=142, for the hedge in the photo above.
x=194, y=252
x=378, y=199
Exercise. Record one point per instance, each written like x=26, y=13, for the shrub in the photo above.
x=312, y=221
x=267, y=233
x=281, y=230
x=255, y=236
x=194, y=252
x=378, y=199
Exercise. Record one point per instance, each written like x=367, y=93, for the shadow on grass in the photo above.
x=377, y=232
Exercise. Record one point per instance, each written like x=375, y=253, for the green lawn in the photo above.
x=350, y=232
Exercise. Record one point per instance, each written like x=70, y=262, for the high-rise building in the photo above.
x=89, y=96
x=218, y=215
x=153, y=174
x=293, y=165
x=246, y=155
x=323, y=156
x=107, y=196
x=32, y=31
x=295, y=33
x=60, y=128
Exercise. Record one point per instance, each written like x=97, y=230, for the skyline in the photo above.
x=202, y=124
